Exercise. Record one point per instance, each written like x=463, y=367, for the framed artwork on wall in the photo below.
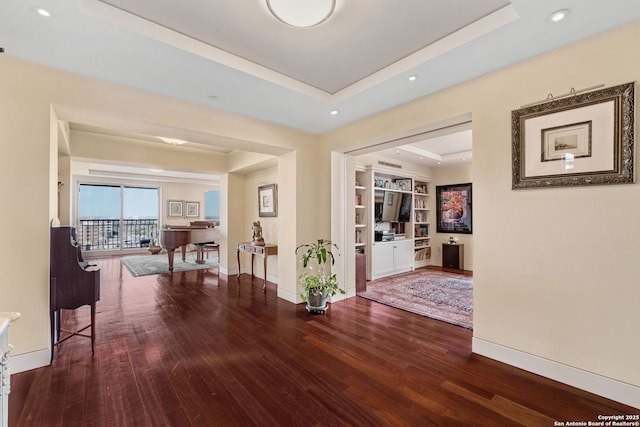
x=268, y=200
x=454, y=208
x=174, y=208
x=192, y=209
x=583, y=139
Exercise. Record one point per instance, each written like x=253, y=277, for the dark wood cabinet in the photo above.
x=453, y=256
x=361, y=272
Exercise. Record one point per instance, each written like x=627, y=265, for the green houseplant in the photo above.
x=318, y=283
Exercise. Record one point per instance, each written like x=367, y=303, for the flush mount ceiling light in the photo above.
x=559, y=15
x=42, y=12
x=302, y=13
x=172, y=141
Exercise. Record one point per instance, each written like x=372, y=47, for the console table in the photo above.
x=265, y=251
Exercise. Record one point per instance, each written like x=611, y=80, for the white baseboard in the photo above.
x=293, y=297
x=28, y=361
x=588, y=381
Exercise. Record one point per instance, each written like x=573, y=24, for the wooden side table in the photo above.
x=264, y=251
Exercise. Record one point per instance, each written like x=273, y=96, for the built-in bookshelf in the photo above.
x=392, y=220
x=362, y=233
x=422, y=222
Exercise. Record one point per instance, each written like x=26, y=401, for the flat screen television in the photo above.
x=392, y=206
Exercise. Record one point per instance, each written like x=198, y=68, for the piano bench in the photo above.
x=213, y=247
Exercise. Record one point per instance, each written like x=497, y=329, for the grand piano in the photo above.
x=174, y=237
x=73, y=284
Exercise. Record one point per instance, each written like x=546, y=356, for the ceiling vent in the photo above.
x=392, y=165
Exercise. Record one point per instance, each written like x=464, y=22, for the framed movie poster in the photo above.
x=454, y=208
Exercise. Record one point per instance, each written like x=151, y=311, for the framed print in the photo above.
x=584, y=139
x=454, y=211
x=268, y=200
x=193, y=209
x=174, y=208
x=403, y=184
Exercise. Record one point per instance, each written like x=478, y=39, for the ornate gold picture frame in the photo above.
x=584, y=139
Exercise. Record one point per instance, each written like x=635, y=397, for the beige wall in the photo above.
x=269, y=224
x=446, y=176
x=33, y=98
x=186, y=192
x=553, y=268
x=116, y=149
x=25, y=137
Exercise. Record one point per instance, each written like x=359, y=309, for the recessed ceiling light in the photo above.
x=334, y=112
x=413, y=78
x=42, y=12
x=559, y=15
x=397, y=151
x=155, y=170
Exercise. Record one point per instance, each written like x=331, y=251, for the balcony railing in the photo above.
x=107, y=234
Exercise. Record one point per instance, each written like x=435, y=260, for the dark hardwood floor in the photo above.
x=190, y=349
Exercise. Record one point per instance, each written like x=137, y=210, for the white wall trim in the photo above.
x=289, y=296
x=341, y=219
x=27, y=361
x=588, y=381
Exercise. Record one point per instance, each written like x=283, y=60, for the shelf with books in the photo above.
x=421, y=221
x=361, y=192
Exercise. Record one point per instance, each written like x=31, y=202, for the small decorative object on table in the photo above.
x=318, y=286
x=258, y=240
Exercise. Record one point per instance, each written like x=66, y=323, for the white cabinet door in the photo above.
x=403, y=255
x=383, y=264
x=392, y=258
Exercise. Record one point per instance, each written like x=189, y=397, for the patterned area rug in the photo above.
x=439, y=295
x=145, y=265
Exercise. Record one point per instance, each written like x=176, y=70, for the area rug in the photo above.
x=442, y=296
x=145, y=265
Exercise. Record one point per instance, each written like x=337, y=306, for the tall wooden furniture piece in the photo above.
x=73, y=284
x=361, y=272
x=264, y=251
x=453, y=256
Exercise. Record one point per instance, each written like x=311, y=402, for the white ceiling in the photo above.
x=321, y=57
x=235, y=57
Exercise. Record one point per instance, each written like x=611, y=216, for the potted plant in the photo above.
x=154, y=248
x=318, y=283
